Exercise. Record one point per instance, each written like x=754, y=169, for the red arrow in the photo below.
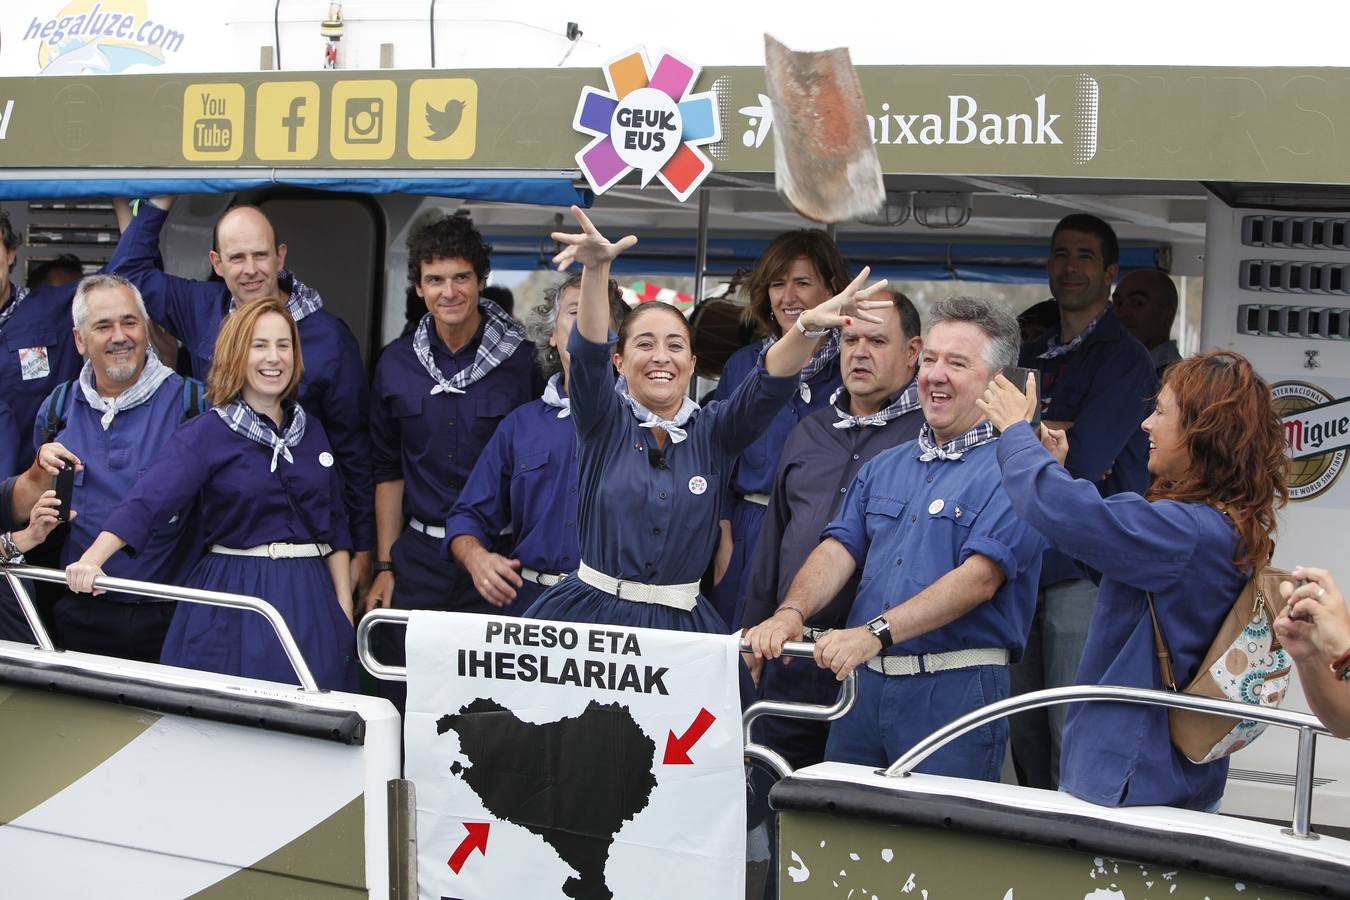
x=476, y=839
x=677, y=748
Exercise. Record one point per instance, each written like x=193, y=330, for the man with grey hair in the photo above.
x=948, y=571
x=108, y=424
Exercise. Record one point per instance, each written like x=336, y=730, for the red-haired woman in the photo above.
x=1216, y=454
x=261, y=475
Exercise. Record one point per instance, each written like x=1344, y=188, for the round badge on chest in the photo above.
x=326, y=459
x=698, y=484
x=935, y=507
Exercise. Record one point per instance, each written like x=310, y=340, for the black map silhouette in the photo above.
x=573, y=782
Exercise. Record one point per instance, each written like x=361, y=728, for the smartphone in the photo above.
x=63, y=482
x=1018, y=376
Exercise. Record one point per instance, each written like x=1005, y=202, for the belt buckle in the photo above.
x=618, y=588
x=272, y=551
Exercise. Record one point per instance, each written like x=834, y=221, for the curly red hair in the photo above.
x=1236, y=446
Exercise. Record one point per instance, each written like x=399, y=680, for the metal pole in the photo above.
x=29, y=611
x=1303, y=784
x=188, y=595
x=701, y=249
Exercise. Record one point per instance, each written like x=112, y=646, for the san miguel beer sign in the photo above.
x=1317, y=434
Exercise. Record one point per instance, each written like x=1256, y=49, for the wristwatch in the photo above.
x=383, y=565
x=881, y=630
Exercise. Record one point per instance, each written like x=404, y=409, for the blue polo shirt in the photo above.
x=907, y=523
x=431, y=441
x=332, y=385
x=114, y=460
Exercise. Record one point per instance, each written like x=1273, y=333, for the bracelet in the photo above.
x=383, y=565
x=816, y=333
x=1341, y=666
x=793, y=609
x=13, y=555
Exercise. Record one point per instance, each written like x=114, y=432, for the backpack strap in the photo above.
x=57, y=403
x=194, y=398
x=1169, y=678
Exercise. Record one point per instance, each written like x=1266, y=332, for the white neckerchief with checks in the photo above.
x=152, y=376
x=301, y=299
x=241, y=419
x=20, y=293
x=501, y=336
x=982, y=433
x=826, y=355
x=907, y=401
x=1055, y=348
x=648, y=419
x=554, y=397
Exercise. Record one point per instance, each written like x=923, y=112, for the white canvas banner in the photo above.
x=557, y=760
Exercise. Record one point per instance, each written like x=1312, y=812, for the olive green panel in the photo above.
x=329, y=860
x=828, y=857
x=1289, y=125
x=49, y=741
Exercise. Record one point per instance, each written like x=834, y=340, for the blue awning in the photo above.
x=538, y=191
x=998, y=263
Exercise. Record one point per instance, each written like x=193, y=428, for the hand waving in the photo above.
x=854, y=301
x=590, y=247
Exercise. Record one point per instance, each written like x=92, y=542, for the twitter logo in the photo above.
x=442, y=123
x=442, y=120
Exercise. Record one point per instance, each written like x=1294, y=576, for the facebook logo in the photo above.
x=293, y=122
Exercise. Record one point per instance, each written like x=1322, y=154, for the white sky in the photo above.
x=1139, y=32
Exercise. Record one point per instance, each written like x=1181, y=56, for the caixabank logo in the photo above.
x=1057, y=118
x=647, y=120
x=1317, y=434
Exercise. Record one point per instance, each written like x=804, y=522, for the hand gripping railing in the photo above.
x=13, y=574
x=847, y=693
x=1308, y=728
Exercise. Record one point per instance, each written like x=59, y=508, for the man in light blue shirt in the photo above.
x=948, y=572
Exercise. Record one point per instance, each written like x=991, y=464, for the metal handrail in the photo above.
x=363, y=654
x=848, y=691
x=162, y=592
x=1308, y=728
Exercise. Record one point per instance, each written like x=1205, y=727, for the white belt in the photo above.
x=757, y=499
x=276, y=550
x=545, y=579
x=435, y=531
x=677, y=596
x=937, y=662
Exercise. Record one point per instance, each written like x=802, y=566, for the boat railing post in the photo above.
x=848, y=692
x=366, y=655
x=43, y=639
x=181, y=595
x=1303, y=785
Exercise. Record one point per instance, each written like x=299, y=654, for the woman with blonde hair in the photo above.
x=1216, y=454
x=261, y=475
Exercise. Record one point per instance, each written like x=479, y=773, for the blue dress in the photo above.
x=243, y=504
x=647, y=524
x=1120, y=754
x=754, y=472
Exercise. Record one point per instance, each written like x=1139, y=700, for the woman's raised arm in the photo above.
x=595, y=252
